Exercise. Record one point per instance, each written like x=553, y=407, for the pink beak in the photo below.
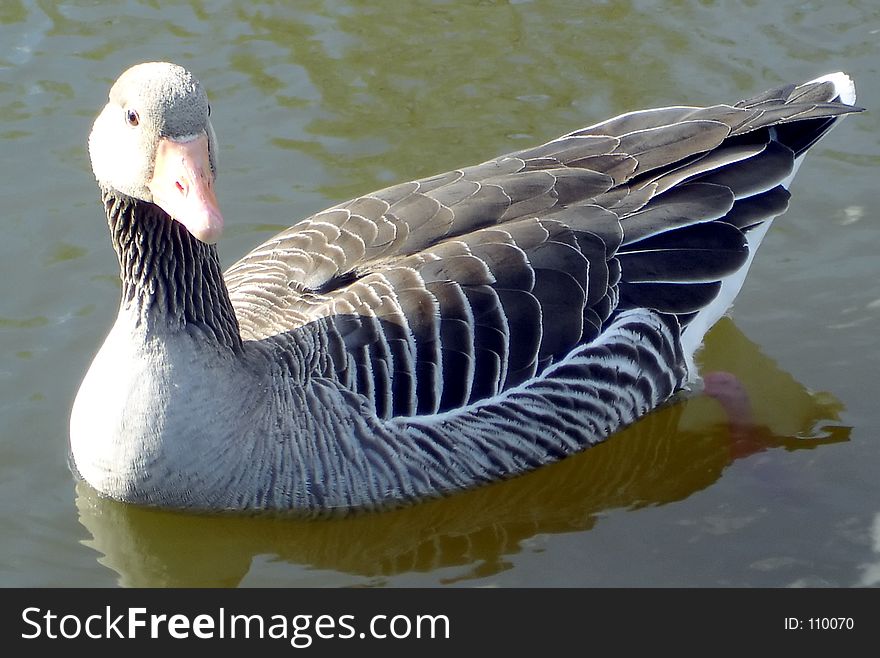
x=183, y=186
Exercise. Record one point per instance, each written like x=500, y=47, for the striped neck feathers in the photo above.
x=169, y=278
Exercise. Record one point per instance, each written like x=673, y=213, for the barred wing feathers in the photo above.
x=462, y=288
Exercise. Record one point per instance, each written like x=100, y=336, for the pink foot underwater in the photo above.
x=728, y=390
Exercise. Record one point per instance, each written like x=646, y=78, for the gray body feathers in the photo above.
x=448, y=332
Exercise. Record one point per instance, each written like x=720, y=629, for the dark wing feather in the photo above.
x=432, y=294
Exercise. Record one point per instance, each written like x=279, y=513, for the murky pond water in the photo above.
x=317, y=101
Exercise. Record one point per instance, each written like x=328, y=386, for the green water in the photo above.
x=314, y=102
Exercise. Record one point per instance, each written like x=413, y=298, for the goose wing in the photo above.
x=439, y=292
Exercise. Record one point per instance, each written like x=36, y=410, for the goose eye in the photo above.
x=131, y=117
x=209, y=110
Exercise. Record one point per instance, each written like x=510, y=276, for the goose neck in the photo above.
x=171, y=280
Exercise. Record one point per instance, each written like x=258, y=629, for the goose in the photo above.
x=430, y=337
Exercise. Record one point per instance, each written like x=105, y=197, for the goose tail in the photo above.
x=824, y=101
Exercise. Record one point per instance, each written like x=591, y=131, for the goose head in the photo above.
x=154, y=142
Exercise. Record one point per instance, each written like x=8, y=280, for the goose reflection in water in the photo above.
x=749, y=406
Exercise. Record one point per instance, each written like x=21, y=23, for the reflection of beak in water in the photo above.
x=672, y=453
